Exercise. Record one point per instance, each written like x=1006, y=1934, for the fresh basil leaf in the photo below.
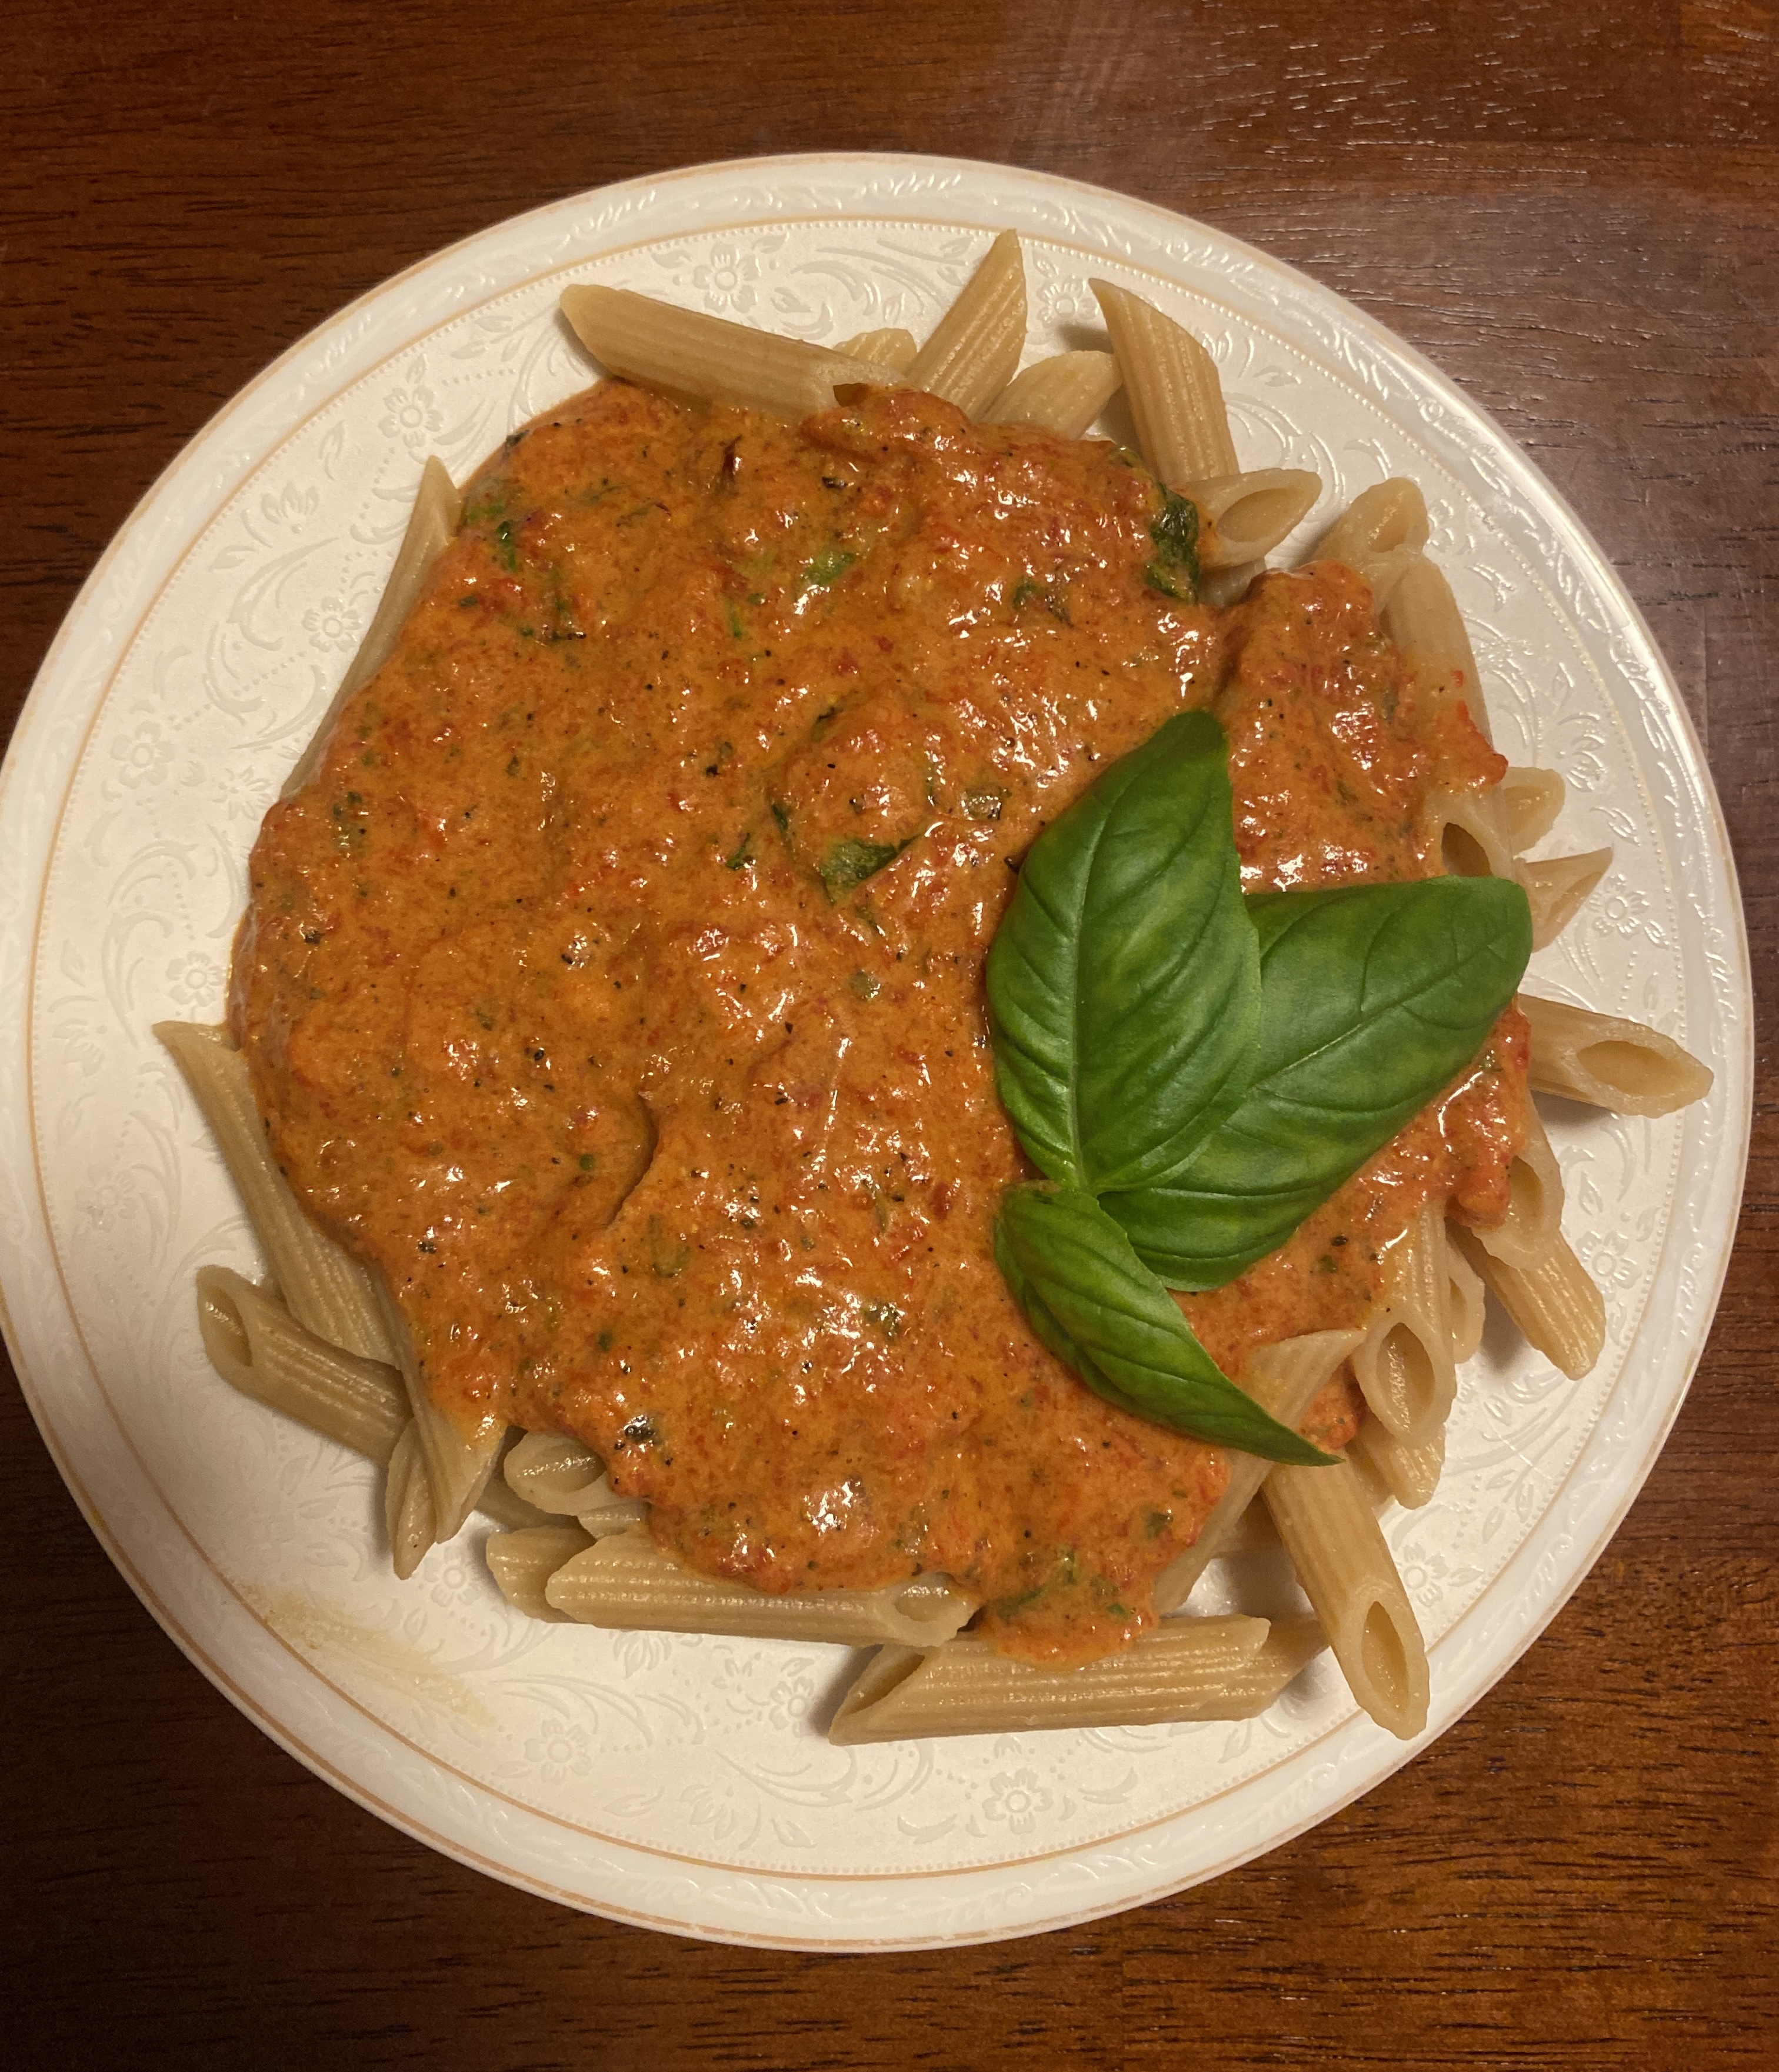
x=1374, y=997
x=1123, y=982
x=1095, y=1304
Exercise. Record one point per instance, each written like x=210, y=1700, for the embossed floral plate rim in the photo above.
x=277, y=1686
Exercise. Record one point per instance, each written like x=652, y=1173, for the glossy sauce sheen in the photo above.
x=616, y=986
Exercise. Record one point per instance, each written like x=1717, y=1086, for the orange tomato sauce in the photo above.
x=616, y=985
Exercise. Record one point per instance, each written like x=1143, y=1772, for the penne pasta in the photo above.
x=1465, y=1304
x=1062, y=394
x=1248, y=514
x=1176, y=398
x=258, y=1347
x=554, y=1472
x=522, y=1563
x=437, y=508
x=1347, y=1574
x=1610, y=1063
x=1468, y=832
x=1554, y=1301
x=1229, y=1668
x=890, y=347
x=976, y=345
x=408, y=1513
x=1285, y=1379
x=1383, y=519
x=1534, y=1201
x=324, y=1287
x=1557, y=887
x=626, y=1580
x=458, y=1462
x=1532, y=799
x=605, y=1512
x=690, y=354
x=1421, y=617
x=1394, y=1468
x=1403, y=1364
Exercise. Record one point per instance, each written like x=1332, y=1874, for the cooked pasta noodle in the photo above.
x=690, y=354
x=1175, y=395
x=1285, y=1379
x=325, y=1289
x=1557, y=887
x=1409, y=1473
x=1347, y=1572
x=1532, y=798
x=1608, y=1062
x=1063, y=394
x=1554, y=1301
x=437, y=508
x=627, y=1580
x=971, y=354
x=1404, y=1363
x=1228, y=1668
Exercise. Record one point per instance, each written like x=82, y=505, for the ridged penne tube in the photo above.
x=1228, y=1668
x=1534, y=1220
x=459, y=1460
x=258, y=1347
x=1345, y=1566
x=408, y=1511
x=554, y=1472
x=1421, y=615
x=1554, y=1302
x=1379, y=520
x=323, y=1286
x=690, y=354
x=1176, y=397
x=1467, y=832
x=435, y=518
x=1531, y=799
x=891, y=347
x=1410, y=1473
x=1465, y=1298
x=626, y=1580
x=522, y=1563
x=1557, y=886
x=1250, y=513
x=1285, y=1379
x=605, y=1512
x=975, y=346
x=1404, y=1363
x=1062, y=394
x=1608, y=1062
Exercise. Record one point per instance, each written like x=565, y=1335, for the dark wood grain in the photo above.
x=1572, y=208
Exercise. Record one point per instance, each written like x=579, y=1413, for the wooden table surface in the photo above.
x=1572, y=210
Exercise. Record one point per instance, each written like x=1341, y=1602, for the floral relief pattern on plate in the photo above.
x=684, y=1779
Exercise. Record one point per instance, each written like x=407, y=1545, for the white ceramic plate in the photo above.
x=680, y=1781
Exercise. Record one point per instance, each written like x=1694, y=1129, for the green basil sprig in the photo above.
x=1101, y=1312
x=1197, y=1073
x=1124, y=982
x=1373, y=998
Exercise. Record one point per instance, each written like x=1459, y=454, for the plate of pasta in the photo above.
x=882, y=1057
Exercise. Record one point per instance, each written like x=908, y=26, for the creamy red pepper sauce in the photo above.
x=616, y=985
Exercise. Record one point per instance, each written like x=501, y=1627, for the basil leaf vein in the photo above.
x=1374, y=998
x=1092, y=1303
x=1125, y=979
